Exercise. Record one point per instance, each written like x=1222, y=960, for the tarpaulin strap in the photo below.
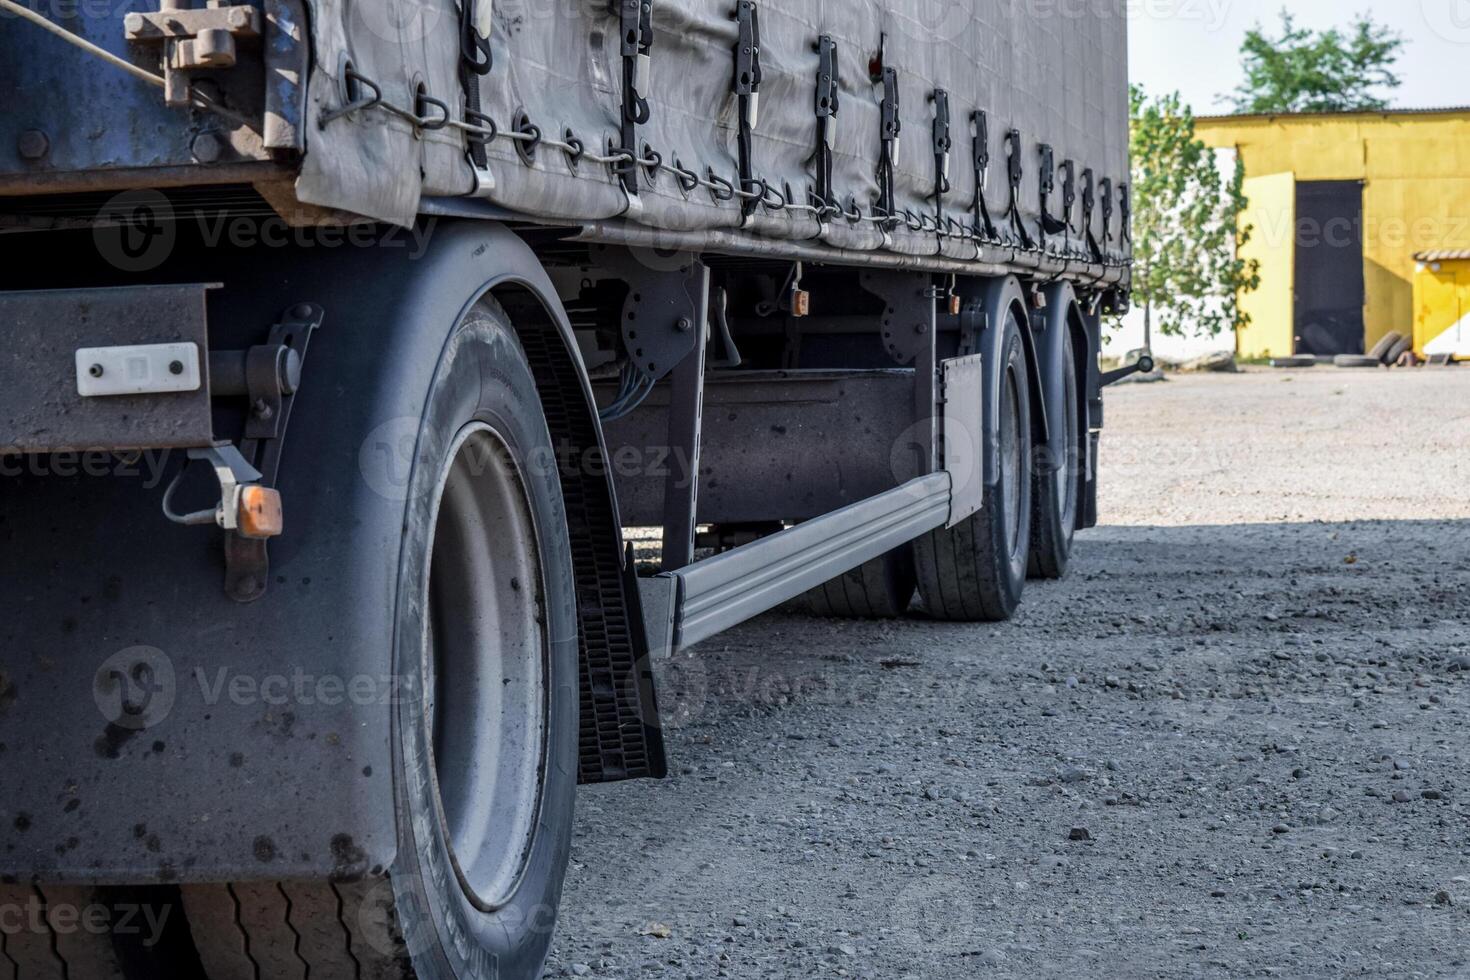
x=892, y=126
x=1069, y=196
x=1014, y=173
x=1105, y=194
x=635, y=21
x=1050, y=224
x=1089, y=204
x=475, y=61
x=942, y=144
x=748, y=92
x=1125, y=209
x=984, y=226
x=827, y=104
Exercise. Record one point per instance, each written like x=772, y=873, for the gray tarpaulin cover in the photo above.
x=1054, y=70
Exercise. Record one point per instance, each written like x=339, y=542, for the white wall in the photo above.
x=1129, y=335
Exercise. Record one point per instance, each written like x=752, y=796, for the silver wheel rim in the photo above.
x=486, y=665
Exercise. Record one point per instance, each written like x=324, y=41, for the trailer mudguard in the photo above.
x=999, y=298
x=1061, y=316
x=257, y=741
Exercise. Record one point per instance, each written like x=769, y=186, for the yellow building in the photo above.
x=1340, y=205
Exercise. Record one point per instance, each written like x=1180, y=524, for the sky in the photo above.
x=1192, y=46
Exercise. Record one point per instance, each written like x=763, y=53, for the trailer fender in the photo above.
x=1000, y=298
x=1061, y=316
x=156, y=730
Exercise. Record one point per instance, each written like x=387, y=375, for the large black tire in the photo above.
x=879, y=589
x=1058, y=489
x=976, y=571
x=463, y=598
x=1380, y=350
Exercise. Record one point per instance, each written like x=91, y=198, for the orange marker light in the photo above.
x=260, y=513
x=801, y=302
x=954, y=304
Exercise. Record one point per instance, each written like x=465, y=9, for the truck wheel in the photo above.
x=1054, y=514
x=976, y=571
x=880, y=589
x=486, y=725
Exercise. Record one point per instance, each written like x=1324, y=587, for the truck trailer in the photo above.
x=348, y=342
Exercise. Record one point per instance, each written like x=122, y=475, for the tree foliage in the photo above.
x=1302, y=70
x=1187, y=272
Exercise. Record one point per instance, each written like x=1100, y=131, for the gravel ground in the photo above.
x=1232, y=743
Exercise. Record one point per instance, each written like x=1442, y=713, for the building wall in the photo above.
x=1416, y=197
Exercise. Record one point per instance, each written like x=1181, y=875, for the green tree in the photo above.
x=1301, y=70
x=1187, y=271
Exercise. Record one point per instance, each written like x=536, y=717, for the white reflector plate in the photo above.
x=139, y=369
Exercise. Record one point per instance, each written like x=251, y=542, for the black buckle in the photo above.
x=747, y=90
x=1089, y=205
x=1105, y=195
x=635, y=21
x=1047, y=183
x=942, y=146
x=892, y=127
x=1015, y=172
x=984, y=224
x=1125, y=208
x=826, y=108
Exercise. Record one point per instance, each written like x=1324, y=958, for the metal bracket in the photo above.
x=663, y=309
x=193, y=39
x=272, y=376
x=908, y=315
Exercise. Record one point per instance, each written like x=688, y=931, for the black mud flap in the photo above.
x=620, y=734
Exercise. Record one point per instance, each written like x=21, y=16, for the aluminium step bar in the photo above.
x=695, y=603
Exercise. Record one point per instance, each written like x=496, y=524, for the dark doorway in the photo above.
x=1329, y=267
